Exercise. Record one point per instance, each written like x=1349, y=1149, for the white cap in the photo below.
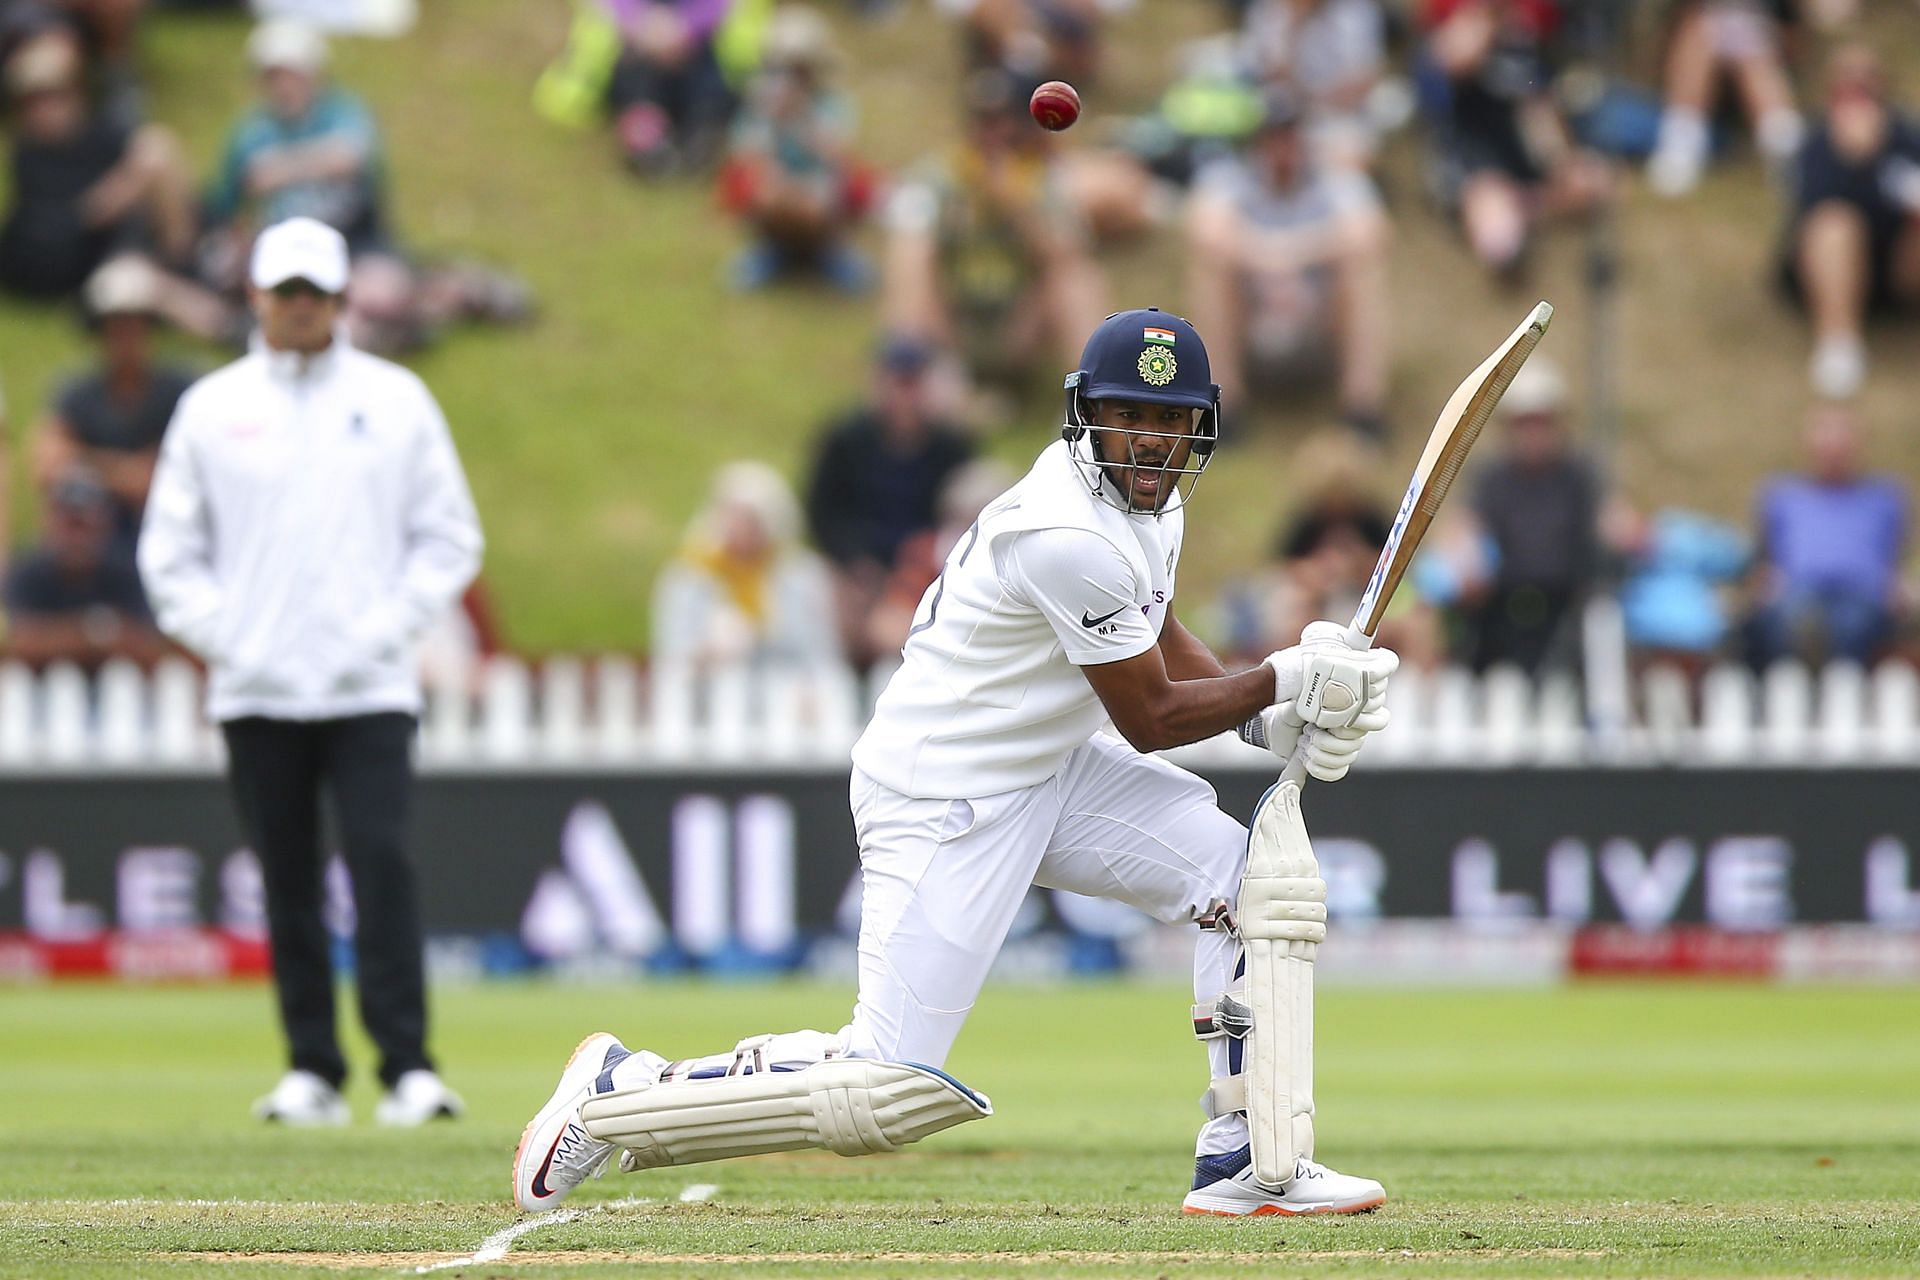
x=300, y=249
x=124, y=285
x=798, y=36
x=44, y=62
x=288, y=43
x=1537, y=389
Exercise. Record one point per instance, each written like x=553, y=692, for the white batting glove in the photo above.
x=1329, y=753
x=1324, y=682
x=1326, y=754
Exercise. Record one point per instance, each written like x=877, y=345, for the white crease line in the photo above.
x=495, y=1246
x=145, y=1202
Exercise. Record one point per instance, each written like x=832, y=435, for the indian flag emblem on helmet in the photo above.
x=1157, y=366
x=1164, y=337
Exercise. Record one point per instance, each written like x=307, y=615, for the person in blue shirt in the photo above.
x=308, y=149
x=1830, y=541
x=311, y=149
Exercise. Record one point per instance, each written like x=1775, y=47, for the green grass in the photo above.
x=589, y=438
x=1593, y=1131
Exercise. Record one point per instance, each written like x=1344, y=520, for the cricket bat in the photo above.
x=1454, y=432
x=1283, y=900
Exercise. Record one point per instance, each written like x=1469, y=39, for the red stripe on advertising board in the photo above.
x=1683, y=951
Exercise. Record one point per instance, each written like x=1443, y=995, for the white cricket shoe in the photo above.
x=304, y=1100
x=417, y=1097
x=1224, y=1185
x=556, y=1152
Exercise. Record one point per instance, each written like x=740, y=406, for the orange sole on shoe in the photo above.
x=1275, y=1211
x=527, y=1132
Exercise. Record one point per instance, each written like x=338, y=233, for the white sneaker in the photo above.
x=1839, y=367
x=556, y=1153
x=304, y=1100
x=1224, y=1185
x=1674, y=171
x=417, y=1097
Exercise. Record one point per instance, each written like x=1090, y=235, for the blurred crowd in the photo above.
x=1261, y=160
x=106, y=220
x=987, y=261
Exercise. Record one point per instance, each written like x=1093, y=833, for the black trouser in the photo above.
x=278, y=768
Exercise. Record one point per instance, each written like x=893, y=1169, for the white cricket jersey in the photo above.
x=988, y=697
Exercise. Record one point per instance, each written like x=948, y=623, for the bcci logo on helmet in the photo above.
x=1157, y=366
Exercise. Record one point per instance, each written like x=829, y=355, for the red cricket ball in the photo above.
x=1055, y=105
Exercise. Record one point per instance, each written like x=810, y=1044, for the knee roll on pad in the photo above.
x=851, y=1106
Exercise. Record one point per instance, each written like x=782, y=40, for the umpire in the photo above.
x=308, y=519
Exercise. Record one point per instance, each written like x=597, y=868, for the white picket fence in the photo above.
x=607, y=713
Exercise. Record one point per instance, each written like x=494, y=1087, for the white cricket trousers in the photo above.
x=941, y=881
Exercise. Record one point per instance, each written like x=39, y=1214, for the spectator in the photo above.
x=742, y=589
x=1680, y=568
x=791, y=172
x=962, y=498
x=1538, y=507
x=1829, y=548
x=669, y=98
x=875, y=485
x=1329, y=54
x=85, y=187
x=1853, y=247
x=308, y=149
x=1321, y=562
x=312, y=149
x=111, y=418
x=985, y=253
x=1210, y=109
x=76, y=597
x=1740, y=40
x=1035, y=40
x=106, y=28
x=1287, y=266
x=1507, y=158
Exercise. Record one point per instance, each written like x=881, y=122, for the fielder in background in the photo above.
x=308, y=520
x=987, y=769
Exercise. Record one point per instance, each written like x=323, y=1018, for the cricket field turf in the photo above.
x=1594, y=1130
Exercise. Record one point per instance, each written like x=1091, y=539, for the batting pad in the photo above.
x=853, y=1106
x=1283, y=920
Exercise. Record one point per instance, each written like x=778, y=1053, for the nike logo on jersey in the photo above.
x=1090, y=622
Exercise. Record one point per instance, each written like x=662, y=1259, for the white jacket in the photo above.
x=308, y=520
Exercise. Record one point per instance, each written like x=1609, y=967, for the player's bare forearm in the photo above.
x=1153, y=711
x=1187, y=658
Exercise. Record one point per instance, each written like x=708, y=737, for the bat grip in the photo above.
x=1296, y=770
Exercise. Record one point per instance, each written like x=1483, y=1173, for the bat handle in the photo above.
x=1296, y=770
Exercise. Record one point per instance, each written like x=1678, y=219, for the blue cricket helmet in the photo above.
x=1148, y=355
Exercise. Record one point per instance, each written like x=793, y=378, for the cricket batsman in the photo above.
x=988, y=768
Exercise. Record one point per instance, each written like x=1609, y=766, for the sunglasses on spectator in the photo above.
x=299, y=289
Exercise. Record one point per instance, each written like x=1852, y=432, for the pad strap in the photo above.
x=1225, y=1096
x=1218, y=918
x=1224, y=1015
